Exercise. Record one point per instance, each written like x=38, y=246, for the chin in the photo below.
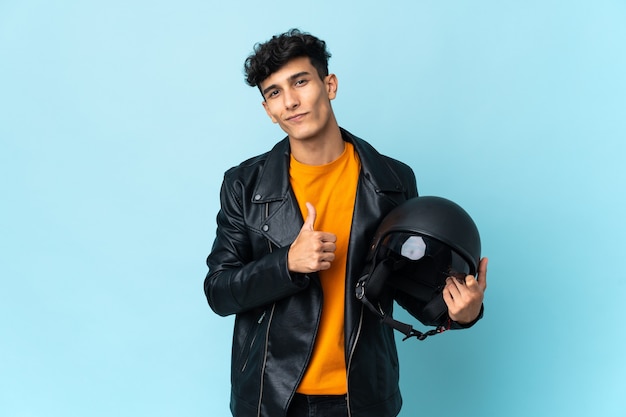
x=301, y=134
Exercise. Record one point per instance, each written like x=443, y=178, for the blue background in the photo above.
x=118, y=119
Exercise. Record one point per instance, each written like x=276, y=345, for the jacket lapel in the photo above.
x=379, y=190
x=281, y=220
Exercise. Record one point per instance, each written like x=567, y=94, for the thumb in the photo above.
x=482, y=273
x=310, y=218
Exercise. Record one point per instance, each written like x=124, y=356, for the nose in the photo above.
x=291, y=100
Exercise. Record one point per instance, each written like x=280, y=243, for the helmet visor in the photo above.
x=423, y=259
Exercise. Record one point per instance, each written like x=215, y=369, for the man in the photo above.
x=292, y=236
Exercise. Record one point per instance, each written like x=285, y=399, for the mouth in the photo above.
x=296, y=117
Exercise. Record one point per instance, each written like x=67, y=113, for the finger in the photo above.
x=470, y=280
x=329, y=257
x=323, y=266
x=328, y=247
x=325, y=262
x=310, y=218
x=328, y=237
x=482, y=273
x=452, y=287
x=447, y=298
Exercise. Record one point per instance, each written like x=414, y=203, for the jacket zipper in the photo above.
x=267, y=336
x=356, y=339
x=267, y=332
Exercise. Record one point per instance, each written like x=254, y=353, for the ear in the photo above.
x=267, y=110
x=331, y=86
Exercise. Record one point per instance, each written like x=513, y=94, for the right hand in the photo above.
x=312, y=250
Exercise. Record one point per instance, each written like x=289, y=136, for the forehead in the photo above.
x=292, y=67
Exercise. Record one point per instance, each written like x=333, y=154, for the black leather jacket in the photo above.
x=277, y=313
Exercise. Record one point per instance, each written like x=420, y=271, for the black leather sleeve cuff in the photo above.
x=456, y=325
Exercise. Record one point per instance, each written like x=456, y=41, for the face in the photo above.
x=299, y=101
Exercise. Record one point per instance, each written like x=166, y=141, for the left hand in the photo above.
x=464, y=299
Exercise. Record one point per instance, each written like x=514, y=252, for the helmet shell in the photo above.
x=438, y=218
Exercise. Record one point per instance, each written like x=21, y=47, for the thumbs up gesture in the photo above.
x=312, y=250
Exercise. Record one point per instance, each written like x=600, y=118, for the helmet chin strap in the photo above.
x=387, y=319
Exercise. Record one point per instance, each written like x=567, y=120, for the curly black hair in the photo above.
x=270, y=56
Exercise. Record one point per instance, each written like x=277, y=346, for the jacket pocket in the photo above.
x=250, y=342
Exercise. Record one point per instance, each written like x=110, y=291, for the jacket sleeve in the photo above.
x=243, y=276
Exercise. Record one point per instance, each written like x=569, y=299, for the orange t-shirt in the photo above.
x=331, y=188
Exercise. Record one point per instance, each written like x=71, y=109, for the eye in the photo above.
x=273, y=93
x=301, y=82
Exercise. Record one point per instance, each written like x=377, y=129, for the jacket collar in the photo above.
x=273, y=181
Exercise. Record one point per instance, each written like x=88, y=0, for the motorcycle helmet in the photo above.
x=416, y=247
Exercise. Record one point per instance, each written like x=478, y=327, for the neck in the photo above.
x=319, y=150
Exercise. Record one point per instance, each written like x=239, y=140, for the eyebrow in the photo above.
x=291, y=78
